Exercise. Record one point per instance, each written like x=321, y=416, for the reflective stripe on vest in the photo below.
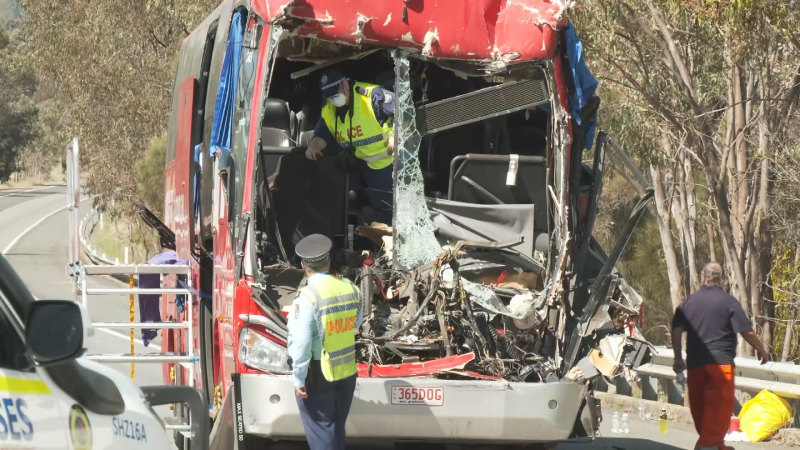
x=361, y=130
x=336, y=304
x=376, y=158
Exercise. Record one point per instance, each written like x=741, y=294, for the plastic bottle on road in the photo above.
x=663, y=420
x=625, y=427
x=641, y=410
x=615, y=422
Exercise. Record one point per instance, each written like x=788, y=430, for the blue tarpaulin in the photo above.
x=585, y=83
x=221, y=129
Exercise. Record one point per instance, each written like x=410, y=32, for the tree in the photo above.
x=110, y=66
x=17, y=112
x=149, y=172
x=713, y=85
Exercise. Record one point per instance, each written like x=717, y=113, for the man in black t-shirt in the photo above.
x=711, y=318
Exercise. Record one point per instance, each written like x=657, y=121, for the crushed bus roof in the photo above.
x=491, y=30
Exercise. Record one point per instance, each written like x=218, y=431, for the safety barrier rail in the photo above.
x=751, y=376
x=657, y=380
x=85, y=231
x=185, y=360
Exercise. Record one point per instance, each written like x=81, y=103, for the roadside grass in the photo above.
x=20, y=180
x=119, y=232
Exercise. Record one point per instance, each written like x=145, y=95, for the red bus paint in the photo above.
x=223, y=244
x=482, y=30
x=459, y=29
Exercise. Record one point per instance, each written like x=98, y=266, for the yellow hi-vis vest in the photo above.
x=361, y=131
x=336, y=304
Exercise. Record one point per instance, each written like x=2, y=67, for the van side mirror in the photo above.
x=55, y=331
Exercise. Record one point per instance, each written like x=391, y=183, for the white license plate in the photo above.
x=420, y=396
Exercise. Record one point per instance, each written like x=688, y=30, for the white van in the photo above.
x=51, y=399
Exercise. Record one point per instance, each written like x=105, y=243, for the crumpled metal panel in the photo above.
x=494, y=30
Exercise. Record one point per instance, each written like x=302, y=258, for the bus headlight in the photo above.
x=258, y=352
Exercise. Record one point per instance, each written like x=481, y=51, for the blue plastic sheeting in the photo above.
x=221, y=129
x=585, y=83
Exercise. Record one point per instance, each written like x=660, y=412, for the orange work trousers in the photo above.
x=711, y=402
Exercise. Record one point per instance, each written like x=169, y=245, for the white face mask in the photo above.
x=338, y=100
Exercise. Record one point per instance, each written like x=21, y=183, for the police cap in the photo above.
x=329, y=82
x=313, y=248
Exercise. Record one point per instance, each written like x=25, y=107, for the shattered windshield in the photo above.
x=416, y=244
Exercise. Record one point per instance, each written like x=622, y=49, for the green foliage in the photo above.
x=17, y=110
x=108, y=66
x=150, y=173
x=785, y=279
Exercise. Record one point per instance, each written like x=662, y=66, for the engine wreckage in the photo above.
x=481, y=311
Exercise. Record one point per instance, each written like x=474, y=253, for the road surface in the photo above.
x=33, y=237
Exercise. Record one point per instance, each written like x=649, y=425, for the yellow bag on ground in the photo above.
x=763, y=415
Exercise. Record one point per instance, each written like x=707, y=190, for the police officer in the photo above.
x=322, y=326
x=358, y=117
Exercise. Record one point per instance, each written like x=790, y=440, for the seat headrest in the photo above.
x=276, y=114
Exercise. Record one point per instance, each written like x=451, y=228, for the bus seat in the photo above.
x=481, y=178
x=276, y=131
x=276, y=127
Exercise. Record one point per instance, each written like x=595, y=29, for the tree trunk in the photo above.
x=787, y=341
x=667, y=243
x=763, y=223
x=686, y=218
x=712, y=245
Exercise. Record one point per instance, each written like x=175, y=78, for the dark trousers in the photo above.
x=325, y=410
x=378, y=186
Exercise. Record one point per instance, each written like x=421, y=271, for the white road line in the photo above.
x=28, y=230
x=36, y=224
x=39, y=222
x=29, y=190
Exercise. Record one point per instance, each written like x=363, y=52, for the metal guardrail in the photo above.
x=85, y=231
x=657, y=381
x=781, y=378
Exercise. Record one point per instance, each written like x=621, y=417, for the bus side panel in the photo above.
x=167, y=305
x=243, y=302
x=224, y=282
x=224, y=288
x=179, y=141
x=181, y=208
x=177, y=181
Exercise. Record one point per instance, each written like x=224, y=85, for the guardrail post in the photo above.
x=649, y=387
x=672, y=392
x=623, y=387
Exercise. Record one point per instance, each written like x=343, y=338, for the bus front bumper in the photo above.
x=423, y=409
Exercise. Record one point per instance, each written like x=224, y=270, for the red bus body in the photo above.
x=218, y=237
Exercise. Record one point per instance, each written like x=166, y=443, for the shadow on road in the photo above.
x=600, y=443
x=616, y=444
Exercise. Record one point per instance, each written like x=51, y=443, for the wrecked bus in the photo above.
x=490, y=311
